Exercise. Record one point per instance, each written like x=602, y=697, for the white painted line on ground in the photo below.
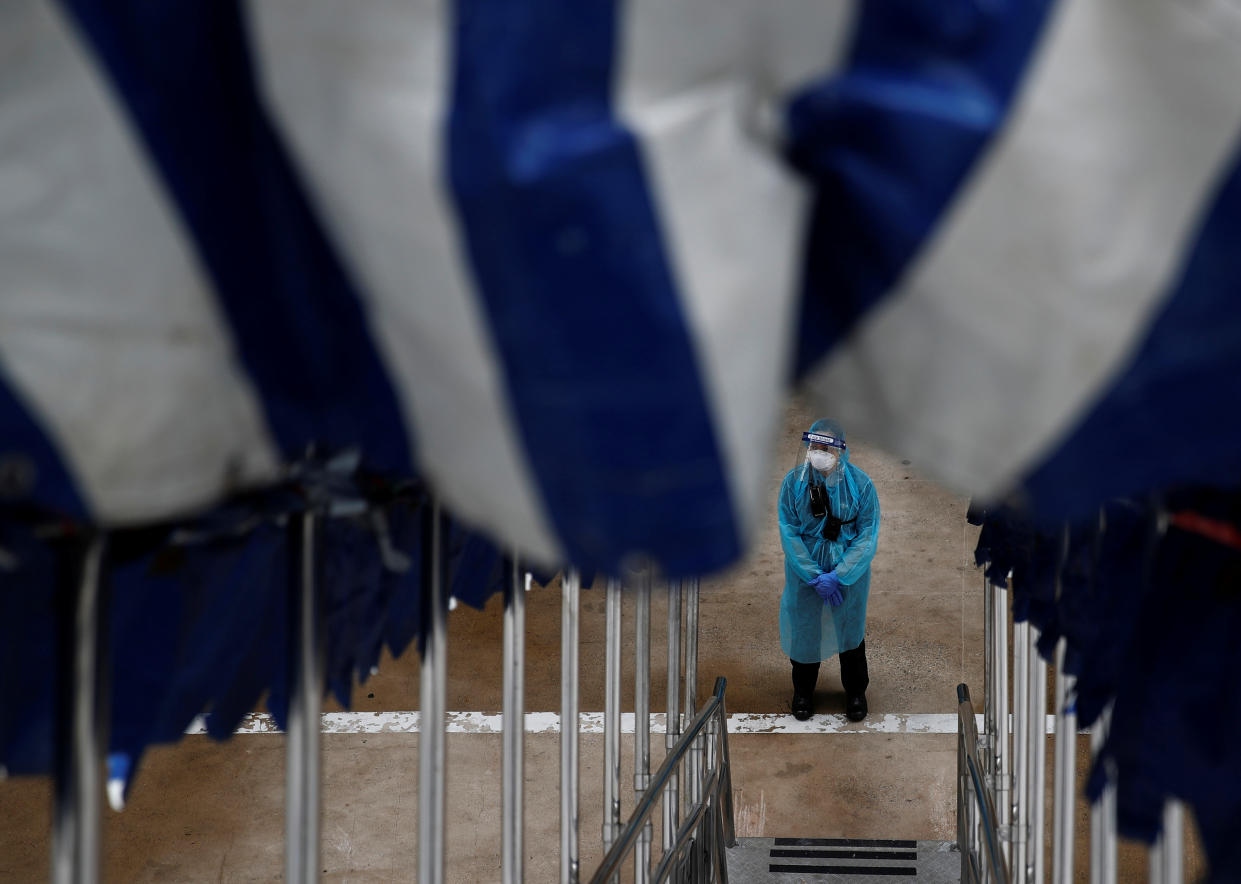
x=592, y=723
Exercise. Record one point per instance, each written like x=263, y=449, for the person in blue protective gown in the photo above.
x=829, y=529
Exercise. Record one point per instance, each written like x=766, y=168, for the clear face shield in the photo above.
x=821, y=457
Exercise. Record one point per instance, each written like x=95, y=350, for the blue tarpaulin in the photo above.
x=559, y=264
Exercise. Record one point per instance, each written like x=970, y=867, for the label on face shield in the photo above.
x=822, y=439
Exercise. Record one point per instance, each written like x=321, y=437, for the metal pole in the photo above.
x=1103, y=813
x=1038, y=757
x=513, y=838
x=433, y=687
x=977, y=833
x=79, y=746
x=1063, y=816
x=672, y=729
x=306, y=672
x=991, y=732
x=642, y=716
x=962, y=798
x=1166, y=856
x=972, y=821
x=568, y=727
x=1172, y=843
x=691, y=687
x=727, y=815
x=1021, y=750
x=995, y=727
x=966, y=833
x=612, y=718
x=1003, y=757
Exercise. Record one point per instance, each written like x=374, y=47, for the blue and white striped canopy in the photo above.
x=561, y=259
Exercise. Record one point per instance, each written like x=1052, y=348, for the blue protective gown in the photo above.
x=810, y=629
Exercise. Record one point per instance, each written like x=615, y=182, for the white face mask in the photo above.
x=823, y=461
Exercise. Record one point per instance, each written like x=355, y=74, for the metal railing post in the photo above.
x=726, y=824
x=1172, y=843
x=642, y=716
x=672, y=728
x=513, y=799
x=1166, y=859
x=612, y=718
x=433, y=687
x=1103, y=813
x=1038, y=758
x=974, y=825
x=570, y=584
x=962, y=799
x=80, y=730
x=306, y=673
x=1065, y=774
x=968, y=836
x=1021, y=750
x=1003, y=754
x=694, y=775
x=726, y=779
x=991, y=727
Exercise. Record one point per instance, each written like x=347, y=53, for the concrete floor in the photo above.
x=206, y=811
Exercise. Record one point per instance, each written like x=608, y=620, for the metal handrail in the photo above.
x=716, y=798
x=967, y=734
x=683, y=841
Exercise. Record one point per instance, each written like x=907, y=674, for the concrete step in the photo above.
x=853, y=860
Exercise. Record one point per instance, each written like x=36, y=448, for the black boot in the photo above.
x=855, y=677
x=804, y=677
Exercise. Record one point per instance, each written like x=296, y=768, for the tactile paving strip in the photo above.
x=854, y=860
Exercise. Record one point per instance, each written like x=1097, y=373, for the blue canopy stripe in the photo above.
x=184, y=73
x=1060, y=250
x=565, y=248
x=888, y=141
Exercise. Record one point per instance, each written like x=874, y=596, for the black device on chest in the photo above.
x=820, y=507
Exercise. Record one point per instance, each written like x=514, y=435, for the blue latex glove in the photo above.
x=828, y=587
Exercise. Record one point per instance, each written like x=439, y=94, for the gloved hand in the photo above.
x=828, y=587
